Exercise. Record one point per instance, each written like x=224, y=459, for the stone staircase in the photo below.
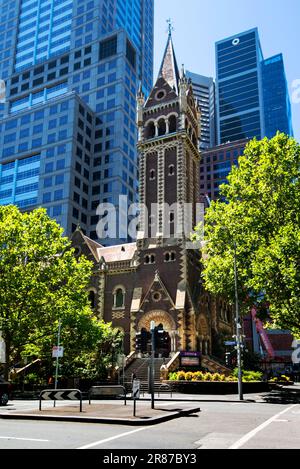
x=214, y=366
x=140, y=367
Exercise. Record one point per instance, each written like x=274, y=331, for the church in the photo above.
x=158, y=278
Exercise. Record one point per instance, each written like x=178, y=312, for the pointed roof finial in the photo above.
x=170, y=27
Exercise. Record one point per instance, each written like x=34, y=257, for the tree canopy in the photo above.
x=261, y=215
x=42, y=282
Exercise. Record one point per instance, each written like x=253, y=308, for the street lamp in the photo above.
x=238, y=329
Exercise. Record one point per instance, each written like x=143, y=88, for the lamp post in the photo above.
x=152, y=329
x=238, y=330
x=57, y=356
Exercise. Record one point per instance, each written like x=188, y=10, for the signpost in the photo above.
x=152, y=328
x=136, y=391
x=59, y=353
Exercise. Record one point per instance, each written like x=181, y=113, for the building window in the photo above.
x=170, y=257
x=108, y=47
x=162, y=128
x=131, y=54
x=92, y=299
x=119, y=298
x=171, y=170
x=152, y=174
x=150, y=130
x=150, y=259
x=172, y=124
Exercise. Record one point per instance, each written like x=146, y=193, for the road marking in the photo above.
x=21, y=439
x=251, y=434
x=101, y=442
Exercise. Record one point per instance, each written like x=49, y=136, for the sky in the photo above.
x=198, y=24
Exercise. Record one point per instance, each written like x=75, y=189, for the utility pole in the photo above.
x=58, y=345
x=238, y=329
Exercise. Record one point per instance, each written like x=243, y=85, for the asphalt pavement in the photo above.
x=219, y=425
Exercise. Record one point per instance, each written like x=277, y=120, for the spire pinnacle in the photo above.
x=169, y=68
x=170, y=26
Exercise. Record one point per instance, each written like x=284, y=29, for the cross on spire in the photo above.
x=170, y=26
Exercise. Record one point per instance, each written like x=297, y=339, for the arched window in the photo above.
x=172, y=124
x=162, y=128
x=171, y=170
x=92, y=299
x=170, y=257
x=150, y=130
x=119, y=298
x=152, y=174
x=150, y=259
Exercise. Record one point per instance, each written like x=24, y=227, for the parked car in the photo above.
x=4, y=392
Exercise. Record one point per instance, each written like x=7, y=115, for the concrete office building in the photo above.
x=204, y=92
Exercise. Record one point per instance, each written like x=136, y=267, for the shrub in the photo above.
x=173, y=377
x=181, y=376
x=207, y=377
x=216, y=377
x=189, y=376
x=198, y=376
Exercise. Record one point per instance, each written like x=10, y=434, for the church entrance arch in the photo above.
x=165, y=328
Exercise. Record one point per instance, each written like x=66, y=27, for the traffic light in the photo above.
x=144, y=340
x=138, y=342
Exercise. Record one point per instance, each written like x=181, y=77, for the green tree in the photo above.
x=262, y=216
x=41, y=281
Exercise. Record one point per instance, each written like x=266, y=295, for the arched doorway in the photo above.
x=163, y=334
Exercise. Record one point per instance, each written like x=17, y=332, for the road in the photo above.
x=220, y=425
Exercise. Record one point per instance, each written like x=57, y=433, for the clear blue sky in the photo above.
x=200, y=23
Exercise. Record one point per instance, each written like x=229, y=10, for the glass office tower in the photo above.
x=252, y=93
x=277, y=104
x=67, y=127
x=239, y=87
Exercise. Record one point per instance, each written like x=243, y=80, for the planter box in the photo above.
x=216, y=388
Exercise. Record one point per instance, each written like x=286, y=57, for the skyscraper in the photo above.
x=239, y=87
x=252, y=93
x=204, y=92
x=68, y=135
x=277, y=105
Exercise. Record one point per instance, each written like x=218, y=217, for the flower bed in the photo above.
x=199, y=376
x=215, y=383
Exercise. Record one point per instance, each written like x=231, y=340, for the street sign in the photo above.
x=136, y=389
x=61, y=395
x=57, y=352
x=230, y=344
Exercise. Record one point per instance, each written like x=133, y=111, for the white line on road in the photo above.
x=22, y=439
x=254, y=432
x=116, y=437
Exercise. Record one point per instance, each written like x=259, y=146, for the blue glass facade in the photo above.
x=76, y=97
x=277, y=105
x=239, y=87
x=252, y=93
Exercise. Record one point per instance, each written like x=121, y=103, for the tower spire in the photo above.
x=169, y=68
